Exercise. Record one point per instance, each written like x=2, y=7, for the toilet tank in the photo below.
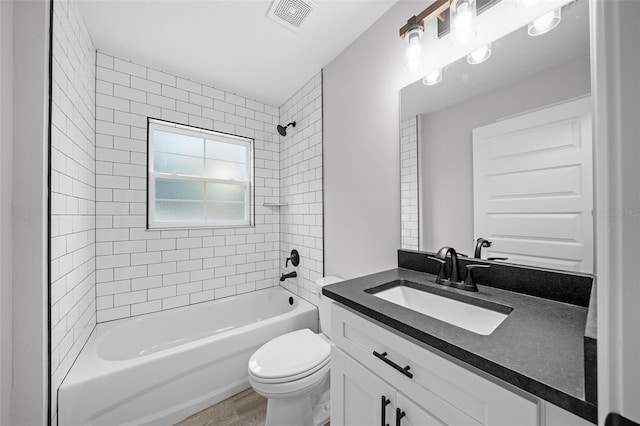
x=324, y=303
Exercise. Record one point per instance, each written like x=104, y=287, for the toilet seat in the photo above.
x=290, y=357
x=291, y=388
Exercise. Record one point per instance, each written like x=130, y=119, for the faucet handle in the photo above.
x=442, y=275
x=295, y=259
x=469, y=281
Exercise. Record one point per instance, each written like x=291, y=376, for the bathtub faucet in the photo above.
x=289, y=275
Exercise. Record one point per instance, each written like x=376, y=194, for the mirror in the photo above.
x=502, y=150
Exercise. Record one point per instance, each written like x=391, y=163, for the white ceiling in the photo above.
x=230, y=44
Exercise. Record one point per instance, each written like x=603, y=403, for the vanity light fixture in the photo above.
x=436, y=9
x=545, y=23
x=433, y=78
x=463, y=19
x=479, y=55
x=452, y=14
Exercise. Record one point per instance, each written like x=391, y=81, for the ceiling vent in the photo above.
x=291, y=13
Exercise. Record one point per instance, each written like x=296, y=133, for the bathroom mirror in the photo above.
x=502, y=150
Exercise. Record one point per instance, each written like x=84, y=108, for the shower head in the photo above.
x=283, y=129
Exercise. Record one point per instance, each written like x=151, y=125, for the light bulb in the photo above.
x=545, y=23
x=414, y=49
x=463, y=20
x=480, y=55
x=434, y=77
x=463, y=17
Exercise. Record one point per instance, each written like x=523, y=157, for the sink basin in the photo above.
x=477, y=319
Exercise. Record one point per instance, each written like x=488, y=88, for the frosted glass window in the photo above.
x=178, y=144
x=179, y=211
x=224, y=151
x=198, y=178
x=169, y=190
x=178, y=164
x=224, y=202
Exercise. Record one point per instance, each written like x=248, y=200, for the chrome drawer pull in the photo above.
x=405, y=370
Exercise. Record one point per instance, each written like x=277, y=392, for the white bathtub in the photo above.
x=161, y=368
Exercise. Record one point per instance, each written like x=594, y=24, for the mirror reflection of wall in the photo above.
x=446, y=148
x=531, y=74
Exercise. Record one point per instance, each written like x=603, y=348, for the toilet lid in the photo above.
x=292, y=355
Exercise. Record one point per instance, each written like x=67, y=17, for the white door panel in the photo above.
x=533, y=187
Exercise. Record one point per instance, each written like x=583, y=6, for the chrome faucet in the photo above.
x=453, y=280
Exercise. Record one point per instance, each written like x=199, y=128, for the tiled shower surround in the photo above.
x=105, y=265
x=301, y=225
x=409, y=183
x=73, y=304
x=140, y=271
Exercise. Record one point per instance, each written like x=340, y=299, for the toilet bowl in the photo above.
x=292, y=371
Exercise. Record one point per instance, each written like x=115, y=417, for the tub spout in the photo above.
x=289, y=275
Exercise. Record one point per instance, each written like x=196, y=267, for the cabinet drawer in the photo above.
x=437, y=383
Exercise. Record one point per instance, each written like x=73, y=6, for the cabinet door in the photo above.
x=420, y=415
x=413, y=415
x=356, y=394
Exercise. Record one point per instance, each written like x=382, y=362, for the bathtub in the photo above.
x=163, y=367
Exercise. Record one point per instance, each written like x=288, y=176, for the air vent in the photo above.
x=291, y=13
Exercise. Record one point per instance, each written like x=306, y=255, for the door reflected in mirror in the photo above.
x=502, y=151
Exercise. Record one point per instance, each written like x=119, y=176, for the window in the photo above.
x=197, y=177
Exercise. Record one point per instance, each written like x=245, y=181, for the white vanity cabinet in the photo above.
x=359, y=397
x=440, y=392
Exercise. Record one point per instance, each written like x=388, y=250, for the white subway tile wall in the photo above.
x=73, y=304
x=301, y=220
x=140, y=271
x=409, y=183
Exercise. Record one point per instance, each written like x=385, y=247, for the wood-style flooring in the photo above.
x=246, y=408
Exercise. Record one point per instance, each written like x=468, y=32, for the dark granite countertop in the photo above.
x=537, y=348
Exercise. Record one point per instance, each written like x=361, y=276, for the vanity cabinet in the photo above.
x=433, y=390
x=360, y=397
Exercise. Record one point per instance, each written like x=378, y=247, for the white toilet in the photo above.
x=292, y=370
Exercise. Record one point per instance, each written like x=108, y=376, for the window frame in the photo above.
x=201, y=133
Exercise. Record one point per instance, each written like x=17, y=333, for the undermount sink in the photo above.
x=477, y=319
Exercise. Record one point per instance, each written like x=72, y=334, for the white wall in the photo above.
x=361, y=148
x=141, y=271
x=446, y=154
x=30, y=129
x=73, y=267
x=301, y=186
x=6, y=141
